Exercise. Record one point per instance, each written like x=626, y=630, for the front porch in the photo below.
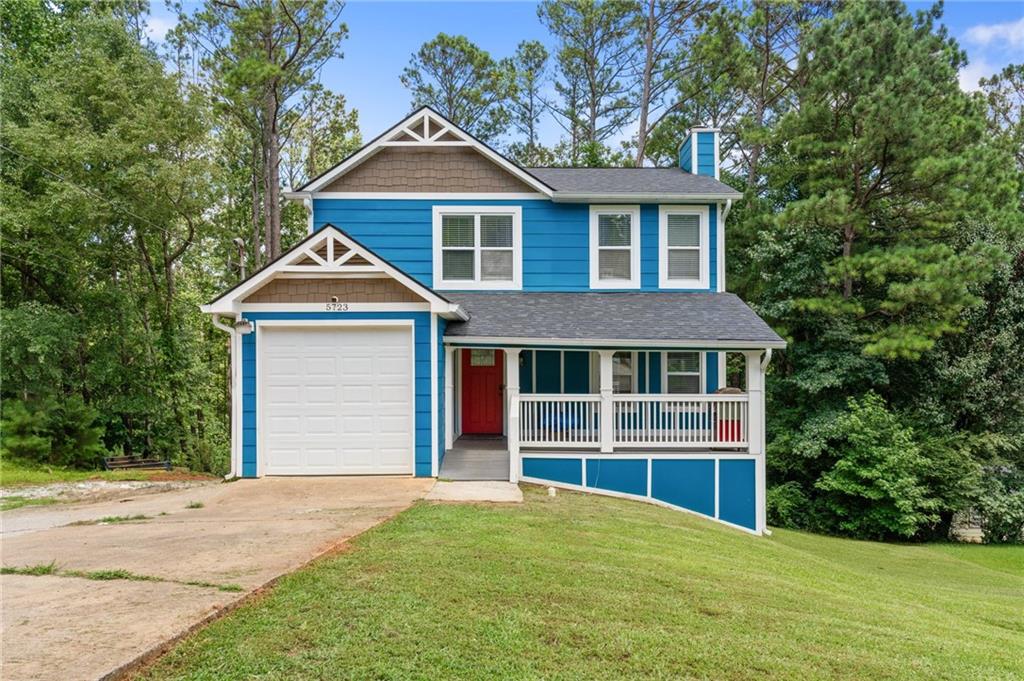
x=484, y=389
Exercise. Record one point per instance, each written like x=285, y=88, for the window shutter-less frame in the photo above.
x=478, y=247
x=683, y=247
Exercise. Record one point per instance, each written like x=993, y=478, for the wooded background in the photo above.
x=881, y=231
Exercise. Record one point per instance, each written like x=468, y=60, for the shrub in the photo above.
x=1001, y=505
x=60, y=433
x=76, y=439
x=24, y=433
x=875, y=488
x=787, y=505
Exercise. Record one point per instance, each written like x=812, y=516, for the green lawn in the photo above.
x=15, y=473
x=592, y=587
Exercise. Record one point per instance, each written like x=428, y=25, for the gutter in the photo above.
x=563, y=197
x=236, y=387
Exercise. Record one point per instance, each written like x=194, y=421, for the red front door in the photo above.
x=483, y=385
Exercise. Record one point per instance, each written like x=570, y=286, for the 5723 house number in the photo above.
x=337, y=307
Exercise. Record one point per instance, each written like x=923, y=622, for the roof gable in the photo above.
x=325, y=253
x=424, y=129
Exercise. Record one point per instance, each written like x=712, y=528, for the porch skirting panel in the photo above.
x=715, y=485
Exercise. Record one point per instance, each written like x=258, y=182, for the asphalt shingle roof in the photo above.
x=661, y=316
x=625, y=181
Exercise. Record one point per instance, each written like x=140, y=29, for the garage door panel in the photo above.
x=336, y=400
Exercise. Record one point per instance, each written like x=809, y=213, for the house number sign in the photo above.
x=337, y=307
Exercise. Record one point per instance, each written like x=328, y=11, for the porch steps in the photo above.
x=476, y=460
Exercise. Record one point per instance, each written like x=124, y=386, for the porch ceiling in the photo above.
x=678, y=319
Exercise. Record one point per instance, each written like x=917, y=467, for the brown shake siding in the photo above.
x=322, y=290
x=428, y=169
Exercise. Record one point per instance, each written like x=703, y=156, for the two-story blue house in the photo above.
x=453, y=314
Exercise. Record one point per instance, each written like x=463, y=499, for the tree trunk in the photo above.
x=848, y=235
x=271, y=179
x=645, y=94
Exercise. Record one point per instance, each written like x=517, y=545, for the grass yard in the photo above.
x=15, y=473
x=582, y=586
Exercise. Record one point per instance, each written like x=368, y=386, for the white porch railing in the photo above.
x=559, y=420
x=680, y=420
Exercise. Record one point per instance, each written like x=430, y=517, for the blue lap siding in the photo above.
x=556, y=238
x=421, y=343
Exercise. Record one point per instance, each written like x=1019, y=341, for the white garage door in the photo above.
x=336, y=400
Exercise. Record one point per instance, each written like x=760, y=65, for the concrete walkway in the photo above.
x=481, y=490
x=476, y=459
x=245, y=533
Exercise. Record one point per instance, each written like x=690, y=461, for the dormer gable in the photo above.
x=426, y=153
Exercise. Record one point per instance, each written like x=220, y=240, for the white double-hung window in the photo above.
x=682, y=372
x=614, y=247
x=683, y=254
x=478, y=247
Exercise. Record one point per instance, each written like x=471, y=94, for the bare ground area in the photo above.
x=116, y=580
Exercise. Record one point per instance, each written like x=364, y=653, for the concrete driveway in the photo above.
x=245, y=534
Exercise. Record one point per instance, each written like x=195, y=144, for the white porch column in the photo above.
x=607, y=417
x=512, y=390
x=449, y=397
x=755, y=434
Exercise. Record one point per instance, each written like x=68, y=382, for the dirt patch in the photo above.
x=104, y=490
x=179, y=475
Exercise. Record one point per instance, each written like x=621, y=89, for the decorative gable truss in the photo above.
x=327, y=271
x=423, y=129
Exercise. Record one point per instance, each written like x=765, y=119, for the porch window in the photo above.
x=683, y=247
x=477, y=247
x=682, y=372
x=623, y=372
x=614, y=247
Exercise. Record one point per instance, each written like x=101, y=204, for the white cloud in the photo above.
x=1008, y=35
x=157, y=28
x=978, y=68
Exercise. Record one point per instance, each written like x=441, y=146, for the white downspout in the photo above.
x=236, y=386
x=764, y=431
x=728, y=207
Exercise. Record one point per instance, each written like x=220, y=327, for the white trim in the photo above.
x=694, y=143
x=476, y=284
x=720, y=214
x=322, y=307
x=426, y=115
x=552, y=343
x=590, y=197
x=723, y=367
x=226, y=303
x=450, y=354
x=717, y=159
x=702, y=388
x=434, y=412
x=633, y=210
x=717, y=488
x=703, y=214
x=364, y=323
x=433, y=196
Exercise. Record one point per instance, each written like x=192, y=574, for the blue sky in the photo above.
x=382, y=36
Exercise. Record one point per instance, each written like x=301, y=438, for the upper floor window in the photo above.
x=682, y=372
x=683, y=247
x=614, y=247
x=478, y=247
